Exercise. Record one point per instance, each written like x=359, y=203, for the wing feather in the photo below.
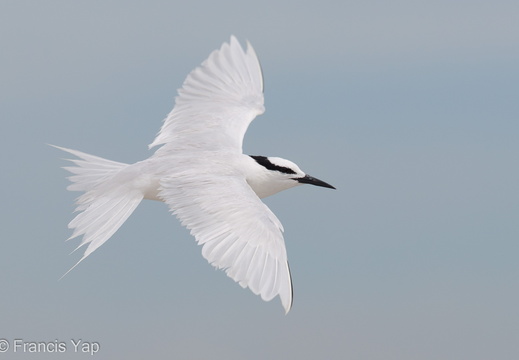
x=237, y=231
x=216, y=103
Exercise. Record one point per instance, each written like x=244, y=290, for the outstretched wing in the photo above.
x=238, y=231
x=216, y=103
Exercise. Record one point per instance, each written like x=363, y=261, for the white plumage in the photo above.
x=199, y=170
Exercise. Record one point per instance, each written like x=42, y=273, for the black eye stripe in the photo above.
x=265, y=162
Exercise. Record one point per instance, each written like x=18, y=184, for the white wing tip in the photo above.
x=287, y=300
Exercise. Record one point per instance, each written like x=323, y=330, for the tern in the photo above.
x=201, y=173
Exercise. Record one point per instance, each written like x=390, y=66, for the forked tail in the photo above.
x=107, y=202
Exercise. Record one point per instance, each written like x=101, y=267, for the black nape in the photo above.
x=265, y=162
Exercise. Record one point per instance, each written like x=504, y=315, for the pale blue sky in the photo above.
x=409, y=108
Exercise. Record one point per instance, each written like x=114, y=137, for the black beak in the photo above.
x=313, y=181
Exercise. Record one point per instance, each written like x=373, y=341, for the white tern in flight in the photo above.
x=199, y=170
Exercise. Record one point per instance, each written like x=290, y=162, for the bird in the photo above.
x=199, y=170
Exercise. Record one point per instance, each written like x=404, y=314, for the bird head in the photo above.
x=279, y=174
